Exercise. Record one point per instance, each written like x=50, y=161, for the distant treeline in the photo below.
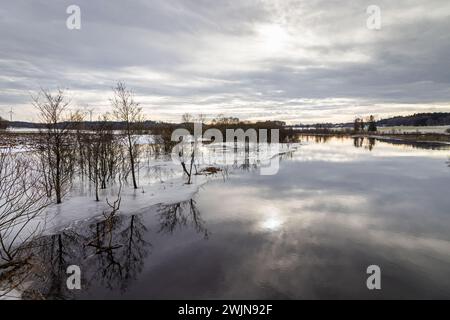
x=3, y=124
x=86, y=125
x=166, y=128
x=286, y=134
x=418, y=119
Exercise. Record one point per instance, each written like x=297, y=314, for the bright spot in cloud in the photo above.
x=272, y=224
x=273, y=37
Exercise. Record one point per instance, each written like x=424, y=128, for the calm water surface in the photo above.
x=335, y=207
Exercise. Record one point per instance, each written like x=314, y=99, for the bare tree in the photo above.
x=103, y=154
x=187, y=118
x=201, y=118
x=187, y=152
x=22, y=200
x=55, y=145
x=127, y=110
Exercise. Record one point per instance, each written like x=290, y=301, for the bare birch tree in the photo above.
x=22, y=200
x=103, y=154
x=55, y=145
x=127, y=110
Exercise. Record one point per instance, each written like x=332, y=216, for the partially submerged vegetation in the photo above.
x=41, y=171
x=116, y=156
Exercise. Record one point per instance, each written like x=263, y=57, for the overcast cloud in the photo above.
x=298, y=61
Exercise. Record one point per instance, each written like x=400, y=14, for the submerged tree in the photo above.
x=103, y=153
x=188, y=149
x=127, y=110
x=56, y=148
x=187, y=162
x=22, y=200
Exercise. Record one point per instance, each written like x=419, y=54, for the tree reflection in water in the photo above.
x=53, y=254
x=120, y=250
x=367, y=143
x=110, y=252
x=181, y=215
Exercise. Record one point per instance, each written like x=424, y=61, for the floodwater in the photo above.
x=335, y=207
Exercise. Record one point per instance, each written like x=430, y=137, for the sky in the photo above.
x=296, y=61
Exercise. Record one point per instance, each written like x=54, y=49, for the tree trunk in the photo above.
x=96, y=189
x=130, y=150
x=58, y=179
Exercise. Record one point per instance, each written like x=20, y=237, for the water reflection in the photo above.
x=119, y=250
x=110, y=252
x=312, y=230
x=181, y=215
x=369, y=142
x=53, y=255
x=426, y=145
x=308, y=232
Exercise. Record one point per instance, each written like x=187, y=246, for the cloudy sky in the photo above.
x=298, y=61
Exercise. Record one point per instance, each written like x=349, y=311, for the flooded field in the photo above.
x=335, y=207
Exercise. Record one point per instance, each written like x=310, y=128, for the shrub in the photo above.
x=3, y=124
